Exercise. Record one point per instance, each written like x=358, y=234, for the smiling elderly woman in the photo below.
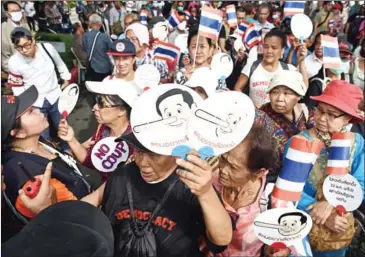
x=289, y=117
x=190, y=207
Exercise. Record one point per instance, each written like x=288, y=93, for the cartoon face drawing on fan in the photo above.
x=174, y=107
x=232, y=120
x=292, y=223
x=222, y=126
x=175, y=103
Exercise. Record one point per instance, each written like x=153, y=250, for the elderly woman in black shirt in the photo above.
x=192, y=211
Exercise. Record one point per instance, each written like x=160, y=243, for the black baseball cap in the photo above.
x=132, y=139
x=12, y=107
x=123, y=47
x=154, y=20
x=69, y=228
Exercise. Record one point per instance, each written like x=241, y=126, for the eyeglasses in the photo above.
x=329, y=116
x=101, y=103
x=26, y=46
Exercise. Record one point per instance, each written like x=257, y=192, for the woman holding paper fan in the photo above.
x=112, y=111
x=25, y=154
x=337, y=107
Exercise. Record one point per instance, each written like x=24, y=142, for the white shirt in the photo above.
x=39, y=71
x=267, y=25
x=312, y=65
x=358, y=75
x=259, y=82
x=29, y=10
x=114, y=16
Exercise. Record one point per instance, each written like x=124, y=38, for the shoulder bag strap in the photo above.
x=320, y=24
x=54, y=64
x=130, y=197
x=93, y=46
x=158, y=207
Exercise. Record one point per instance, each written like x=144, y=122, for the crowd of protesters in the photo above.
x=209, y=210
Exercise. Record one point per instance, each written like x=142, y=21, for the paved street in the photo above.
x=82, y=119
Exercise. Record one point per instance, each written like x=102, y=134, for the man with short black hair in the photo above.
x=15, y=19
x=36, y=64
x=240, y=14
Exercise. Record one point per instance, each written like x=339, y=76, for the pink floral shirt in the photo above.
x=244, y=241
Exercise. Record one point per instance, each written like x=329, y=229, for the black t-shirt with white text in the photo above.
x=179, y=225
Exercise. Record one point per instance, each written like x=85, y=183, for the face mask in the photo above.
x=180, y=8
x=345, y=66
x=16, y=16
x=337, y=71
x=275, y=16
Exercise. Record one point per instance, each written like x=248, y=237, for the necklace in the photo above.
x=39, y=152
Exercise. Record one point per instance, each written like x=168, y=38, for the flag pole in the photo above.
x=196, y=49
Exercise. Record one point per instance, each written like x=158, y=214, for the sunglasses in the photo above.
x=101, y=103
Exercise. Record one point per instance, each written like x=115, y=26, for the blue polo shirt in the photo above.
x=100, y=61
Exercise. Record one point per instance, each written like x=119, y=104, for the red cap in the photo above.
x=277, y=246
x=337, y=6
x=344, y=96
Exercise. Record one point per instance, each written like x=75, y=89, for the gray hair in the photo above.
x=95, y=19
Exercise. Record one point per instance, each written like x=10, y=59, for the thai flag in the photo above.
x=293, y=7
x=210, y=22
x=241, y=29
x=143, y=17
x=331, y=23
x=339, y=154
x=331, y=53
x=175, y=19
x=166, y=51
x=231, y=15
x=251, y=37
x=299, y=160
x=187, y=15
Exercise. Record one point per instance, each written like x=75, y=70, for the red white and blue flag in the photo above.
x=241, y=29
x=331, y=52
x=299, y=160
x=187, y=15
x=175, y=19
x=251, y=37
x=143, y=17
x=293, y=7
x=338, y=162
x=231, y=15
x=210, y=22
x=331, y=23
x=166, y=51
